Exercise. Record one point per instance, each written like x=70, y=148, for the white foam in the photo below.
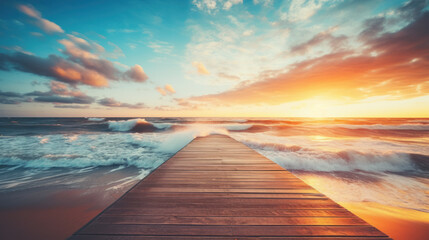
x=128, y=149
x=94, y=119
x=303, y=153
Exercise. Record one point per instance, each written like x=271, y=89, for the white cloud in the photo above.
x=228, y=4
x=161, y=47
x=212, y=6
x=300, y=10
x=266, y=3
x=225, y=52
x=248, y=33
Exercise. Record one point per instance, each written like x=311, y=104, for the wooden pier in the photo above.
x=218, y=188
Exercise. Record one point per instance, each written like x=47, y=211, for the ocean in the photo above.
x=58, y=173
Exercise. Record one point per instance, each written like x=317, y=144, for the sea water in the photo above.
x=58, y=173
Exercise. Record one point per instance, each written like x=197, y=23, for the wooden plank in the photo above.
x=226, y=190
x=228, y=230
x=249, y=212
x=144, y=195
x=198, y=220
x=141, y=237
x=217, y=188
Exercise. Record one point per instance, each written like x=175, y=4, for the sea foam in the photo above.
x=94, y=119
x=301, y=153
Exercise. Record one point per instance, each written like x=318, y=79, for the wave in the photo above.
x=141, y=150
x=236, y=127
x=136, y=125
x=145, y=151
x=94, y=119
x=294, y=157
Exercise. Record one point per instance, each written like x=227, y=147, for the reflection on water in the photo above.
x=398, y=223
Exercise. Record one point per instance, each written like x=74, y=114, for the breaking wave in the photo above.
x=143, y=150
x=313, y=158
x=91, y=150
x=136, y=125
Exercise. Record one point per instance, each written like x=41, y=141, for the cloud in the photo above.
x=36, y=34
x=161, y=91
x=169, y=89
x=229, y=77
x=248, y=33
x=59, y=93
x=80, y=41
x=399, y=70
x=166, y=90
x=71, y=106
x=88, y=59
x=55, y=67
x=17, y=49
x=5, y=100
x=61, y=99
x=413, y=9
x=186, y=104
x=161, y=47
x=82, y=65
x=10, y=94
x=201, y=69
x=213, y=6
x=335, y=42
x=116, y=53
x=266, y=3
x=221, y=47
x=301, y=10
x=229, y=3
x=74, y=51
x=110, y=102
x=205, y=5
x=136, y=73
x=44, y=24
x=125, y=30
x=372, y=28
x=10, y=98
x=62, y=89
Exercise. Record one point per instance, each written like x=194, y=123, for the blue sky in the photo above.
x=206, y=58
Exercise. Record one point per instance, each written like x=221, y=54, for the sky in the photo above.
x=214, y=58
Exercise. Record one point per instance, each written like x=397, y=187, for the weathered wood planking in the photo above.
x=217, y=188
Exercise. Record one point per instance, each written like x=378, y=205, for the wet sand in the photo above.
x=56, y=212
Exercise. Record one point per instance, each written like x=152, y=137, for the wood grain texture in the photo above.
x=218, y=188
